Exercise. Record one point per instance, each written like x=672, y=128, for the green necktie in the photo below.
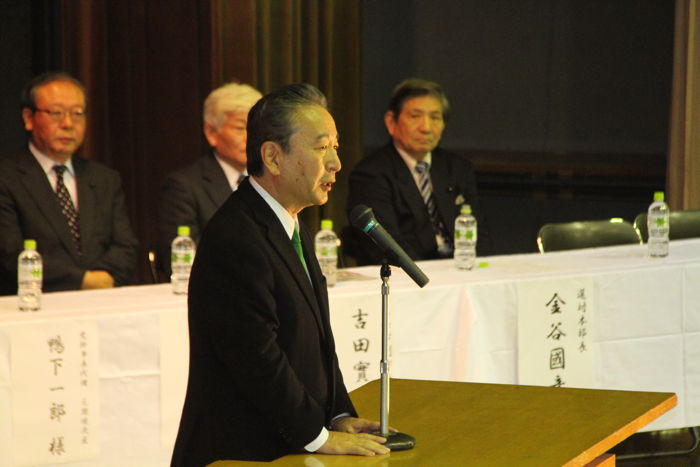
x=296, y=241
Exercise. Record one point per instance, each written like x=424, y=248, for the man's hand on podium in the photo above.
x=351, y=435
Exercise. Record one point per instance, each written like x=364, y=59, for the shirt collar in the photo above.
x=47, y=163
x=232, y=175
x=288, y=221
x=410, y=161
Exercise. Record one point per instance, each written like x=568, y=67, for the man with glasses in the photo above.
x=73, y=207
x=191, y=195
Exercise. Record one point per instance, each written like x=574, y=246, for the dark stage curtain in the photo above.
x=149, y=65
x=273, y=43
x=683, y=169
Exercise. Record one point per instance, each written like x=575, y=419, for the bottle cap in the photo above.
x=29, y=244
x=183, y=231
x=466, y=209
x=658, y=196
x=327, y=224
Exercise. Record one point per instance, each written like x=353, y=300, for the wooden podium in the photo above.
x=497, y=424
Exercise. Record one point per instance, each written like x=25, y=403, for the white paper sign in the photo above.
x=357, y=329
x=55, y=392
x=554, y=325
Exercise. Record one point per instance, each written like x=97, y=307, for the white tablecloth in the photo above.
x=461, y=327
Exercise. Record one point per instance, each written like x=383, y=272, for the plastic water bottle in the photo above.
x=181, y=258
x=465, y=239
x=29, y=277
x=326, y=246
x=658, y=226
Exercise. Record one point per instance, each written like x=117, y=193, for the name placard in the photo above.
x=357, y=329
x=55, y=392
x=554, y=332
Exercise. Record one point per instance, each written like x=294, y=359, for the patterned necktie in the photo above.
x=426, y=191
x=296, y=241
x=67, y=207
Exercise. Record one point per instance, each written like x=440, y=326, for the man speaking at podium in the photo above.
x=264, y=378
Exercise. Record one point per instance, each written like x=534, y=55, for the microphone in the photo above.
x=363, y=218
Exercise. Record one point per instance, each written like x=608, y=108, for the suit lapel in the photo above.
x=87, y=201
x=408, y=188
x=37, y=185
x=282, y=245
x=443, y=190
x=215, y=182
x=319, y=282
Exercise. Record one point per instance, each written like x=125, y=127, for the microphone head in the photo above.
x=362, y=218
x=361, y=215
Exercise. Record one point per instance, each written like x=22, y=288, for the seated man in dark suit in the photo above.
x=415, y=188
x=73, y=207
x=264, y=379
x=191, y=195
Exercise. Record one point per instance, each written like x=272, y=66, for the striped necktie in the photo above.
x=67, y=207
x=426, y=191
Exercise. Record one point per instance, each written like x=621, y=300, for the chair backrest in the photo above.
x=153, y=265
x=586, y=234
x=683, y=224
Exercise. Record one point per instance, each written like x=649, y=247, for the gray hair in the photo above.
x=231, y=97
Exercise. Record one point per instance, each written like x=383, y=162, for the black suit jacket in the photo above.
x=29, y=209
x=189, y=196
x=383, y=182
x=264, y=376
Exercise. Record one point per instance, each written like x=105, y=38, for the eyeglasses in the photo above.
x=77, y=115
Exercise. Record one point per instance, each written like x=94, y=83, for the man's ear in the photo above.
x=389, y=122
x=211, y=133
x=271, y=156
x=27, y=118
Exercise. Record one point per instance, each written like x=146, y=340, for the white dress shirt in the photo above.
x=47, y=165
x=233, y=176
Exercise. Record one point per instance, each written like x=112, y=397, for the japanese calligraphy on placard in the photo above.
x=554, y=332
x=55, y=393
x=357, y=326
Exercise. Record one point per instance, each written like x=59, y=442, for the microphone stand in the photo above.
x=394, y=441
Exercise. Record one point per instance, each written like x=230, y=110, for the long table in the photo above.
x=461, y=327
